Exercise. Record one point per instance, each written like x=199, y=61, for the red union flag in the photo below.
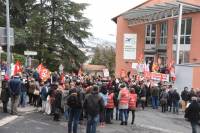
x=17, y=68
x=39, y=68
x=44, y=74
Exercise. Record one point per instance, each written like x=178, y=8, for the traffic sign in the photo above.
x=3, y=36
x=30, y=53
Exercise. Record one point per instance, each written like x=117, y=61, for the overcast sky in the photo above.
x=100, y=12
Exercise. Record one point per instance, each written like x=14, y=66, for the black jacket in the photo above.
x=185, y=95
x=175, y=96
x=5, y=93
x=93, y=104
x=192, y=112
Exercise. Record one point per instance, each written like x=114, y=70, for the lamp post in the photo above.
x=0, y=68
x=8, y=37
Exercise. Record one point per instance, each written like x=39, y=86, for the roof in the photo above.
x=93, y=67
x=158, y=9
x=115, y=18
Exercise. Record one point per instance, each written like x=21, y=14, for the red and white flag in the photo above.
x=39, y=68
x=44, y=74
x=17, y=68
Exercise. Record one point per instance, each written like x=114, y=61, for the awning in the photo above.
x=158, y=12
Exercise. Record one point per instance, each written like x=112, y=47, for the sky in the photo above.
x=100, y=12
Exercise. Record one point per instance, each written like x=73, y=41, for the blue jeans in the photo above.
x=124, y=115
x=92, y=124
x=194, y=126
x=175, y=106
x=155, y=102
x=23, y=99
x=74, y=115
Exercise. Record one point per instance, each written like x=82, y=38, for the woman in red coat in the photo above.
x=132, y=103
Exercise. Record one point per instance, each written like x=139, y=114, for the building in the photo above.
x=154, y=32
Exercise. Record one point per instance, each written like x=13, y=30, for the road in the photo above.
x=147, y=121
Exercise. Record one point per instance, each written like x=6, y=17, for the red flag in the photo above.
x=39, y=68
x=18, y=68
x=44, y=73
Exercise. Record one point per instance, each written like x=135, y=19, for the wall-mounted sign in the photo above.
x=130, y=44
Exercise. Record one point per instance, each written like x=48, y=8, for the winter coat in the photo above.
x=192, y=112
x=5, y=93
x=93, y=104
x=185, y=95
x=175, y=96
x=58, y=98
x=155, y=91
x=163, y=97
x=14, y=86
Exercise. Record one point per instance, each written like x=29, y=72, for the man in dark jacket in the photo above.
x=14, y=86
x=5, y=94
x=193, y=114
x=185, y=95
x=175, y=100
x=93, y=105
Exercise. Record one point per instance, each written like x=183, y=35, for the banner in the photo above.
x=156, y=76
x=106, y=73
x=130, y=44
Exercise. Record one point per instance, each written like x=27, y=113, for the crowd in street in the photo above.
x=98, y=100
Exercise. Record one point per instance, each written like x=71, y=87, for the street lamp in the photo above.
x=8, y=36
x=0, y=67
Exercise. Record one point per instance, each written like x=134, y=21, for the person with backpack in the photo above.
x=93, y=105
x=14, y=86
x=75, y=106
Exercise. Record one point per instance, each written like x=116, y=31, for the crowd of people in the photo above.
x=96, y=99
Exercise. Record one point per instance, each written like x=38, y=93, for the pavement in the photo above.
x=146, y=121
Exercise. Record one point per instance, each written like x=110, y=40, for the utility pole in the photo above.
x=8, y=38
x=179, y=32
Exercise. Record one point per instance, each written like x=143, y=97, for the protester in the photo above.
x=75, y=106
x=185, y=97
x=163, y=99
x=57, y=103
x=175, y=101
x=104, y=95
x=93, y=105
x=14, y=86
x=123, y=104
x=110, y=106
x=44, y=94
x=143, y=96
x=5, y=94
x=132, y=103
x=155, y=96
x=23, y=94
x=192, y=113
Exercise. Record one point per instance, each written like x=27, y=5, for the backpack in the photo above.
x=73, y=100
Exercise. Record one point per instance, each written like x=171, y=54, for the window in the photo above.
x=163, y=33
x=186, y=31
x=150, y=34
x=184, y=56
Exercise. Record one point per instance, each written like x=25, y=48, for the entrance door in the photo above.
x=149, y=59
